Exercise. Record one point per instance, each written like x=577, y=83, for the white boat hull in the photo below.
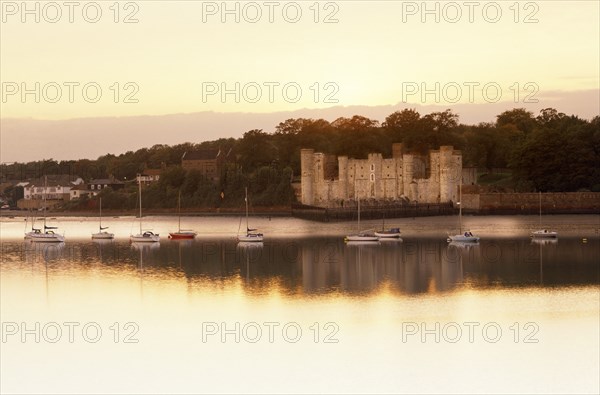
x=31, y=234
x=145, y=238
x=47, y=238
x=361, y=238
x=250, y=238
x=103, y=236
x=391, y=235
x=544, y=234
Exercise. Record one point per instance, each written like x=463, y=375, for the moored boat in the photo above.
x=143, y=236
x=102, y=234
x=468, y=236
x=364, y=235
x=181, y=234
x=251, y=234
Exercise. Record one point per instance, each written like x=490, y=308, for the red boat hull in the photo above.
x=180, y=236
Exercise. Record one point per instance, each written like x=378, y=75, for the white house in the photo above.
x=55, y=187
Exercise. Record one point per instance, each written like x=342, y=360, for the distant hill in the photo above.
x=32, y=139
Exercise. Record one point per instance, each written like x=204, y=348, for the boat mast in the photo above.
x=460, y=207
x=100, y=214
x=179, y=209
x=140, y=193
x=45, y=188
x=246, y=199
x=359, y=215
x=540, y=209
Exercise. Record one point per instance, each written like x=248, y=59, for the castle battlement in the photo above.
x=405, y=176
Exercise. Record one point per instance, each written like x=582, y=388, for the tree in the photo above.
x=550, y=117
x=558, y=156
x=520, y=118
x=487, y=145
x=401, y=124
x=433, y=130
x=256, y=148
x=358, y=136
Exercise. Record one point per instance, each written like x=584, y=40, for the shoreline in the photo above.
x=260, y=212
x=583, y=226
x=273, y=212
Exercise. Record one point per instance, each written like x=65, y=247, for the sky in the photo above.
x=93, y=61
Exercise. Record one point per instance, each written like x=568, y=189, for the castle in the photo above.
x=330, y=182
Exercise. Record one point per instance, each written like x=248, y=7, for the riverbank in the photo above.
x=277, y=211
x=228, y=226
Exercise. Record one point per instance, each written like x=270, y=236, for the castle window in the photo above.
x=372, y=177
x=372, y=167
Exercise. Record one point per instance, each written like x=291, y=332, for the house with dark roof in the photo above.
x=82, y=190
x=209, y=162
x=99, y=184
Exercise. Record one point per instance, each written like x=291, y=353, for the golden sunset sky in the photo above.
x=372, y=53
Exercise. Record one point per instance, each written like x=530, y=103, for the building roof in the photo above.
x=205, y=154
x=105, y=181
x=55, y=180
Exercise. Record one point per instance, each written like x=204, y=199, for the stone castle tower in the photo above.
x=328, y=182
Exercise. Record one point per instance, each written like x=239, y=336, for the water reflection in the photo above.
x=324, y=265
x=544, y=241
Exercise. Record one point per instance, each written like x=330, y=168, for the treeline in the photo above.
x=267, y=186
x=550, y=151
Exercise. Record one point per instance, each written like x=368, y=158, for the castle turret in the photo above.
x=343, y=177
x=306, y=167
x=449, y=177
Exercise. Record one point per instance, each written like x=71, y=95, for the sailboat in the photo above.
x=251, y=234
x=366, y=235
x=143, y=236
x=33, y=230
x=543, y=233
x=181, y=234
x=48, y=236
x=466, y=237
x=102, y=234
x=392, y=233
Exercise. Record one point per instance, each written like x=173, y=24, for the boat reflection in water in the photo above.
x=322, y=265
x=539, y=241
x=361, y=295
x=141, y=246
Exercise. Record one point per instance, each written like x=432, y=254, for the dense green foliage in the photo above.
x=550, y=152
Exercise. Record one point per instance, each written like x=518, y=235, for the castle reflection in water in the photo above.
x=326, y=265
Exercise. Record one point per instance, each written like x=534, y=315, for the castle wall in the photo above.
x=307, y=177
x=329, y=183
x=529, y=203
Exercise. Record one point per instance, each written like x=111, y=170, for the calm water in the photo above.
x=303, y=311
